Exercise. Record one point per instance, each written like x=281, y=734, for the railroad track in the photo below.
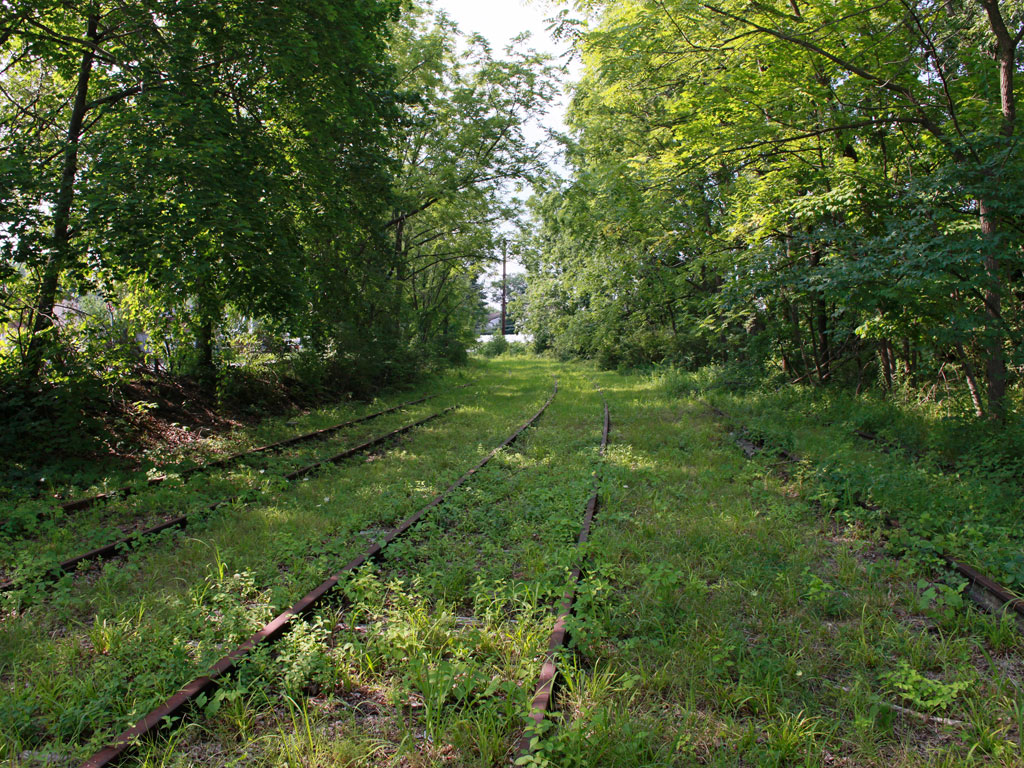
x=984, y=591
x=175, y=708
x=545, y=690
x=78, y=505
x=133, y=540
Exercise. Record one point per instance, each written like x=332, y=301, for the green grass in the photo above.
x=954, y=485
x=30, y=485
x=59, y=535
x=723, y=619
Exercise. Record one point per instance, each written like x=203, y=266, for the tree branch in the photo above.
x=924, y=120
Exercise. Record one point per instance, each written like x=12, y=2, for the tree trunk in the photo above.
x=908, y=359
x=399, y=288
x=206, y=367
x=823, y=343
x=816, y=350
x=972, y=381
x=995, y=358
x=819, y=327
x=59, y=255
x=883, y=356
x=798, y=342
x=995, y=362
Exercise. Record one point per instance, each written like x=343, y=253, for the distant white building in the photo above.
x=492, y=324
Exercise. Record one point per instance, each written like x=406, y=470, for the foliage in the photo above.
x=462, y=146
x=185, y=187
x=220, y=190
x=496, y=345
x=952, y=484
x=827, y=190
x=923, y=692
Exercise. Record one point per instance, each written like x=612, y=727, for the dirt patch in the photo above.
x=168, y=414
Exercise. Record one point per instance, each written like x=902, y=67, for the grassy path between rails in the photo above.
x=956, y=486
x=76, y=667
x=63, y=535
x=721, y=621
x=731, y=625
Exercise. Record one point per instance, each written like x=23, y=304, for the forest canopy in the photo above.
x=824, y=191
x=193, y=187
x=830, y=190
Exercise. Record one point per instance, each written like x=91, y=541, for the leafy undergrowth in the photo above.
x=158, y=424
x=721, y=620
x=955, y=485
x=35, y=536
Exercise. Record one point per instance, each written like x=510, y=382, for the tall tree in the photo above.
x=849, y=173
x=462, y=150
x=209, y=147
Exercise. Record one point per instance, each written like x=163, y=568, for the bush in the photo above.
x=497, y=345
x=449, y=349
x=679, y=383
x=517, y=349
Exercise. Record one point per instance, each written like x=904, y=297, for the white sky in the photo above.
x=500, y=21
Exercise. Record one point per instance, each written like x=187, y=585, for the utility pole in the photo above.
x=504, y=257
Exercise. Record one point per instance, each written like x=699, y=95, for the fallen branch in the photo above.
x=914, y=713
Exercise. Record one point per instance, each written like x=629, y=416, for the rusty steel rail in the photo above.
x=78, y=505
x=174, y=707
x=115, y=548
x=999, y=597
x=986, y=592
x=556, y=641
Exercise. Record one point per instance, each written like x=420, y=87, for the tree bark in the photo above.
x=798, y=342
x=206, y=366
x=883, y=356
x=995, y=357
x=823, y=342
x=818, y=367
x=819, y=326
x=995, y=361
x=908, y=359
x=60, y=246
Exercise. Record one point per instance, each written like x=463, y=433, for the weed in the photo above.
x=923, y=692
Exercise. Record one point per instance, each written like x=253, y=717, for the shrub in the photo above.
x=497, y=345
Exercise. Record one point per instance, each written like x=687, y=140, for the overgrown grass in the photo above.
x=726, y=623
x=40, y=534
x=89, y=439
x=155, y=605
x=954, y=484
x=722, y=620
